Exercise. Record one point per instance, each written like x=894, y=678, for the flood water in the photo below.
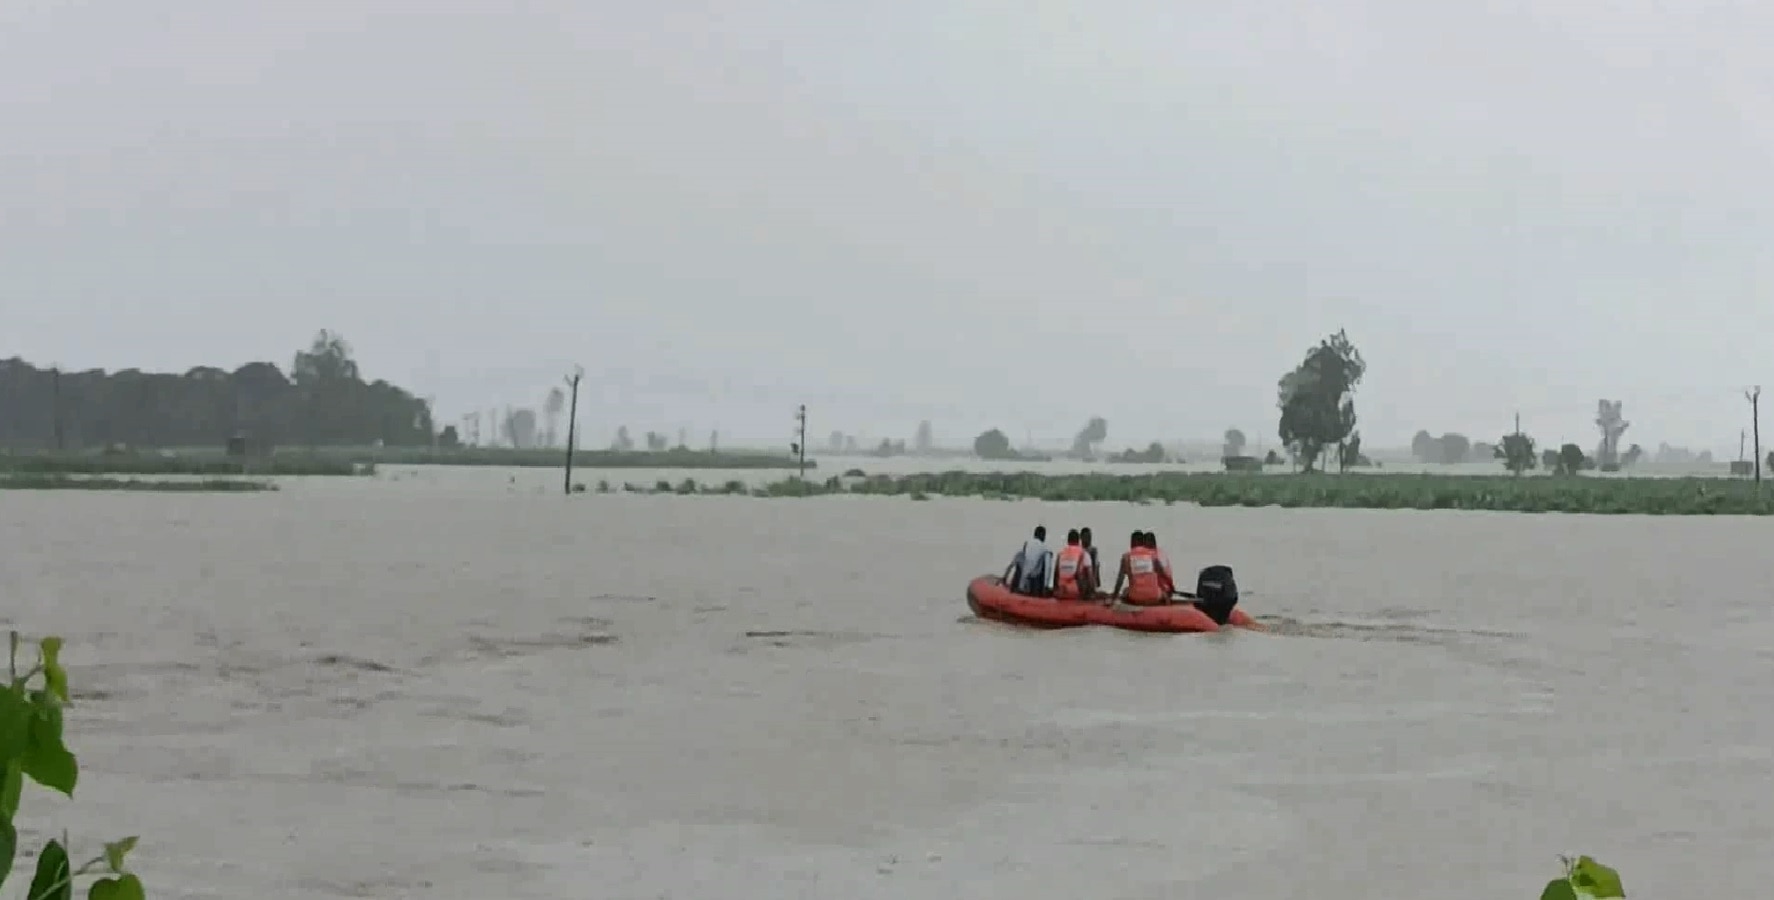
x=463, y=685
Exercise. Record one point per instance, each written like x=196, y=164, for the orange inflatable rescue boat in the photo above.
x=990, y=599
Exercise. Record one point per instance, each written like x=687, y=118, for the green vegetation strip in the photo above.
x=51, y=482
x=177, y=464
x=1576, y=494
x=363, y=460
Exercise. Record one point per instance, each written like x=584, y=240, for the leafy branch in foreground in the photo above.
x=1585, y=879
x=31, y=747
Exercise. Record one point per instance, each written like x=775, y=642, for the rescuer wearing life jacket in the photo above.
x=1139, y=572
x=1166, y=575
x=1073, y=577
x=1096, y=568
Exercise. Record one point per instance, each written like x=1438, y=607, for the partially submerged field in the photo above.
x=201, y=463
x=1581, y=494
x=38, y=481
x=363, y=460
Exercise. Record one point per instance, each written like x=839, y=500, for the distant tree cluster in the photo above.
x=322, y=401
x=1234, y=444
x=658, y=442
x=1449, y=449
x=993, y=444
x=1154, y=453
x=1516, y=451
x=1085, y=442
x=842, y=443
x=1668, y=455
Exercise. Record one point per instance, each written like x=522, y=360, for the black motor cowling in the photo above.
x=1216, y=593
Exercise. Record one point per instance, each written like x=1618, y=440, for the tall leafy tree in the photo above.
x=1517, y=452
x=1317, y=399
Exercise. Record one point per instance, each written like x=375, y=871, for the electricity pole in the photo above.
x=1755, y=423
x=799, y=447
x=572, y=423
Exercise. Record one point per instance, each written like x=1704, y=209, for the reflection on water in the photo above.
x=454, y=683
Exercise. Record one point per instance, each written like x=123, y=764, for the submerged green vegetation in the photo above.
x=181, y=463
x=58, y=482
x=346, y=461
x=1575, y=494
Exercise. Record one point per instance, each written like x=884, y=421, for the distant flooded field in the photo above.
x=456, y=683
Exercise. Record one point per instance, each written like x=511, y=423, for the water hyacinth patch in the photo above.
x=1615, y=496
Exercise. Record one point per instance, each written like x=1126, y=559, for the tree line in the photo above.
x=322, y=401
x=1086, y=446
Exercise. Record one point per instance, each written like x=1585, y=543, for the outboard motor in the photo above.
x=1216, y=592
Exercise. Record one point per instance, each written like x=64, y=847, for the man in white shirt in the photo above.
x=1028, y=568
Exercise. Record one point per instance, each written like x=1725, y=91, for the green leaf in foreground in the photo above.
x=8, y=848
x=48, y=761
x=12, y=785
x=55, y=878
x=1559, y=889
x=116, y=851
x=15, y=725
x=1592, y=879
x=123, y=887
x=55, y=678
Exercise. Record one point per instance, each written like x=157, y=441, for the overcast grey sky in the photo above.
x=981, y=213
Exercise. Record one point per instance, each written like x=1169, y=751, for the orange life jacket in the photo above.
x=1168, y=579
x=1066, y=568
x=1144, y=587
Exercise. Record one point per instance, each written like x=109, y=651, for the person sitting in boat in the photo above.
x=1096, y=568
x=1073, y=577
x=1166, y=575
x=1139, y=574
x=1027, y=573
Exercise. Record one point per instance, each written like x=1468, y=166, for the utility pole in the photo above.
x=572, y=423
x=1755, y=423
x=799, y=447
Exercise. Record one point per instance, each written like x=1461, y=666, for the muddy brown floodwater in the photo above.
x=395, y=691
